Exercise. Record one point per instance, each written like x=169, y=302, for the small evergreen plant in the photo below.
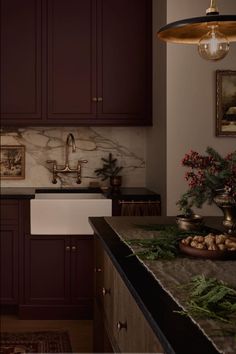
x=109, y=169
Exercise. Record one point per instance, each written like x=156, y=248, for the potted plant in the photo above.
x=110, y=170
x=208, y=176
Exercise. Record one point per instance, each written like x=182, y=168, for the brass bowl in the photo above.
x=189, y=223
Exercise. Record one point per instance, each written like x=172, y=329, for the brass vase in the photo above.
x=227, y=203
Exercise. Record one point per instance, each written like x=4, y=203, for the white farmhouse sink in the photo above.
x=66, y=213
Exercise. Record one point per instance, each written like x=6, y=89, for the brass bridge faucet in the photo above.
x=66, y=169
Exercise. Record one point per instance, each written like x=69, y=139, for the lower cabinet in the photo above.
x=117, y=315
x=9, y=252
x=9, y=279
x=58, y=277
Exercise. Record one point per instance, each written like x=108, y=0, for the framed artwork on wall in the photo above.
x=12, y=162
x=225, y=103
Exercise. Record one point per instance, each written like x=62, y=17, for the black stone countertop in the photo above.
x=17, y=193
x=178, y=334
x=29, y=192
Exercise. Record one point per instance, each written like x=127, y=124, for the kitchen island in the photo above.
x=155, y=286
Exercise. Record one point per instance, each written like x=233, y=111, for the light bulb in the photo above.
x=213, y=45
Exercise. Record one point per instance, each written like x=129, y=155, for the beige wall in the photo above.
x=190, y=104
x=156, y=135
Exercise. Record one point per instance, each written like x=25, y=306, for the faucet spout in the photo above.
x=70, y=136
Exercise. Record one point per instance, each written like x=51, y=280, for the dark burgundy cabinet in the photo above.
x=76, y=62
x=21, y=61
x=71, y=60
x=9, y=252
x=124, y=61
x=58, y=277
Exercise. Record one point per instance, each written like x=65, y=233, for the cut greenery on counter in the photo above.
x=211, y=298
x=165, y=244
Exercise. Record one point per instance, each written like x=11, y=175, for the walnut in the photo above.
x=220, y=239
x=222, y=247
x=212, y=247
x=194, y=244
x=201, y=246
x=198, y=238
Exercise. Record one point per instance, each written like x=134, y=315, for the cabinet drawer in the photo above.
x=131, y=330
x=9, y=212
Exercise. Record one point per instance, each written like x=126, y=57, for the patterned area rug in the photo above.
x=35, y=342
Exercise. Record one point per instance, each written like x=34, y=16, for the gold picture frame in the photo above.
x=226, y=103
x=12, y=162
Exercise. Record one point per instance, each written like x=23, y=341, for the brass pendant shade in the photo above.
x=191, y=30
x=212, y=33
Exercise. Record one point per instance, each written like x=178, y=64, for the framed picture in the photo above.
x=12, y=162
x=226, y=103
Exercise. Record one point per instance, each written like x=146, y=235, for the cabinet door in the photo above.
x=47, y=270
x=125, y=61
x=82, y=269
x=131, y=330
x=71, y=60
x=9, y=239
x=20, y=61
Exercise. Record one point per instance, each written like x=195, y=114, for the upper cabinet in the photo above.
x=76, y=62
x=21, y=80
x=71, y=61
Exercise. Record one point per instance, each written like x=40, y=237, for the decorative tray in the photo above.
x=209, y=247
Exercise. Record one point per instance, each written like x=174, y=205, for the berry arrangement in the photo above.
x=207, y=175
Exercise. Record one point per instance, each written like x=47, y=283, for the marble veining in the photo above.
x=128, y=145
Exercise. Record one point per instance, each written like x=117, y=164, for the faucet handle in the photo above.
x=82, y=161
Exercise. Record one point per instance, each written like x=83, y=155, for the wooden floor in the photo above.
x=80, y=332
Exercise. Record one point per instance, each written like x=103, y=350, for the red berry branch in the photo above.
x=206, y=175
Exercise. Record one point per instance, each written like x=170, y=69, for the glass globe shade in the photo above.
x=213, y=45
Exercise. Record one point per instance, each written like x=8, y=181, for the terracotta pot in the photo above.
x=115, y=182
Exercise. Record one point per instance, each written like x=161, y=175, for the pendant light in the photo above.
x=212, y=33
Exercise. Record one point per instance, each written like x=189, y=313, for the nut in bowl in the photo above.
x=210, y=246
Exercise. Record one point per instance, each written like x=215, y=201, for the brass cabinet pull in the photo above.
x=100, y=99
x=67, y=248
x=121, y=325
x=73, y=248
x=95, y=99
x=105, y=291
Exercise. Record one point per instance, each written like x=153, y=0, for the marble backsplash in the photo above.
x=128, y=145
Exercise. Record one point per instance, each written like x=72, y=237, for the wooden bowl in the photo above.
x=194, y=252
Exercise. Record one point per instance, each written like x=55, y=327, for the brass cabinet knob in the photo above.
x=95, y=99
x=67, y=248
x=73, y=248
x=105, y=291
x=121, y=325
x=98, y=270
x=100, y=99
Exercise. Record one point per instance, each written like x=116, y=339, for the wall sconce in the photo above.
x=212, y=33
